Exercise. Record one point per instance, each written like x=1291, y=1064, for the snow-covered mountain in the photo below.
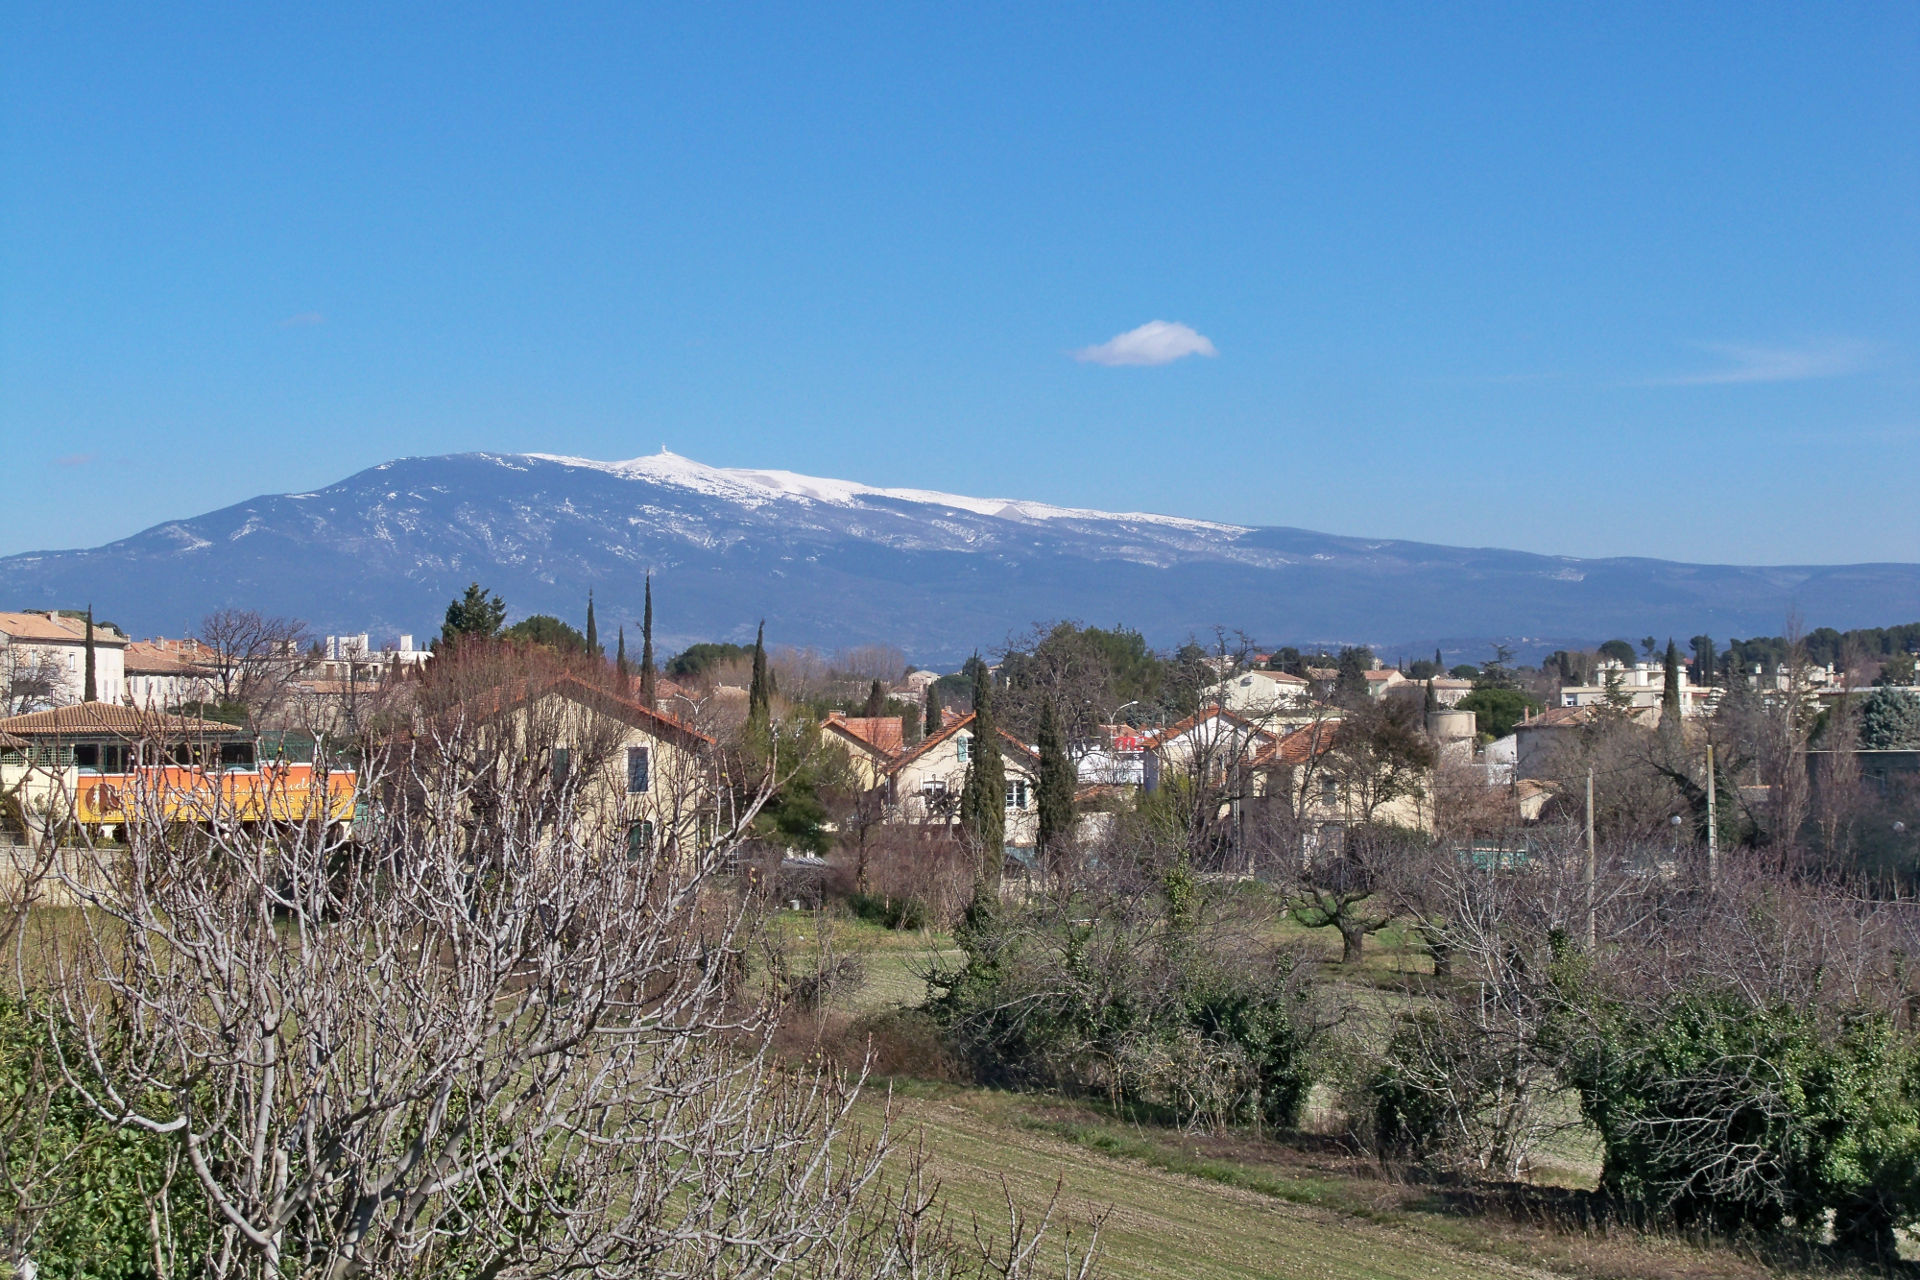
x=833, y=563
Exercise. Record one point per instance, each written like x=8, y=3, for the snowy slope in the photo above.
x=833, y=562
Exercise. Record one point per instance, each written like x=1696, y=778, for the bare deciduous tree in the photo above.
x=478, y=1034
x=250, y=657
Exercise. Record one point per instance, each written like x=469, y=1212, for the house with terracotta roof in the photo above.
x=101, y=765
x=43, y=661
x=1540, y=742
x=162, y=675
x=871, y=742
x=1383, y=680
x=637, y=774
x=1212, y=740
x=923, y=785
x=1309, y=770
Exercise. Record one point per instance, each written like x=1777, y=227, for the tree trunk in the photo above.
x=1351, y=941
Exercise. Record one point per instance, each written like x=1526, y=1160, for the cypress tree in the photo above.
x=1439, y=667
x=983, y=798
x=1670, y=691
x=649, y=692
x=876, y=701
x=593, y=633
x=759, y=691
x=620, y=661
x=1056, y=790
x=933, y=719
x=90, y=691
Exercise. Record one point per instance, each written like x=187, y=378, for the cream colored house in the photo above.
x=641, y=775
x=923, y=785
x=1256, y=694
x=164, y=674
x=1307, y=770
x=871, y=742
x=1210, y=741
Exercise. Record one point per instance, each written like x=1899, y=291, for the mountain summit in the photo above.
x=833, y=563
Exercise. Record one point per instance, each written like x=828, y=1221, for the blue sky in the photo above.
x=1608, y=280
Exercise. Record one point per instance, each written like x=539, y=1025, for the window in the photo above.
x=639, y=839
x=933, y=788
x=1016, y=793
x=639, y=770
x=960, y=747
x=562, y=765
x=1329, y=788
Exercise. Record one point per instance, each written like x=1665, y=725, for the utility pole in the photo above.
x=1713, y=826
x=1593, y=932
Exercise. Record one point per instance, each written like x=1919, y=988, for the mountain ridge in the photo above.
x=832, y=563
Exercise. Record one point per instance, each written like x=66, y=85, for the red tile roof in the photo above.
x=148, y=658
x=885, y=735
x=1154, y=740
x=1300, y=746
x=106, y=718
x=58, y=630
x=1007, y=743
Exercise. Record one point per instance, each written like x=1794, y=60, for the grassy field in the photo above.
x=1210, y=1205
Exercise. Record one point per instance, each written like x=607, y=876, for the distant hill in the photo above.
x=831, y=563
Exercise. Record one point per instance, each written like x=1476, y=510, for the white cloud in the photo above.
x=1155, y=342
x=1747, y=363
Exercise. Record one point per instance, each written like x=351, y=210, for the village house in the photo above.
x=639, y=774
x=1305, y=769
x=923, y=785
x=1639, y=686
x=98, y=765
x=871, y=742
x=1210, y=741
x=165, y=675
x=43, y=661
x=1260, y=693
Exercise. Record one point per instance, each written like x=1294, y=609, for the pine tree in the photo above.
x=477, y=613
x=620, y=672
x=876, y=701
x=932, y=725
x=90, y=691
x=593, y=633
x=983, y=798
x=1670, y=691
x=649, y=692
x=1056, y=789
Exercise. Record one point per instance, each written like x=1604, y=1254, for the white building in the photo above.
x=1261, y=693
x=1639, y=686
x=43, y=661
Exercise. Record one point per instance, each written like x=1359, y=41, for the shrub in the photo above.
x=1720, y=1110
x=889, y=912
x=1140, y=1008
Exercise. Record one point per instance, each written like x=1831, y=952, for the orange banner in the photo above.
x=272, y=793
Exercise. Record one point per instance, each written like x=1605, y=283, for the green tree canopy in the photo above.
x=548, y=632
x=477, y=613
x=1498, y=710
x=1890, y=721
x=1621, y=651
x=696, y=660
